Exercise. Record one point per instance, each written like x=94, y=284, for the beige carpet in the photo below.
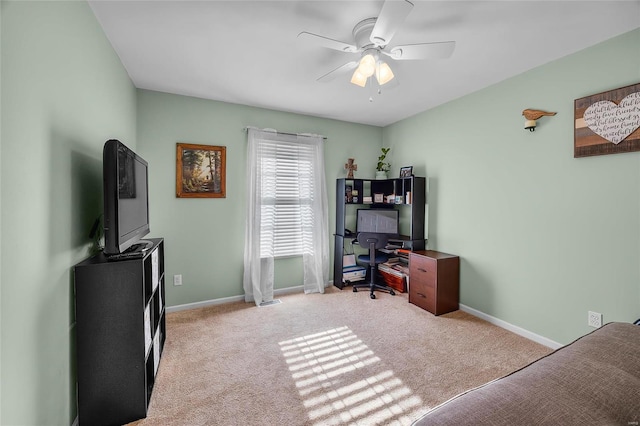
x=324, y=359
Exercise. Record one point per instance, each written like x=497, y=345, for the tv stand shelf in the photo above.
x=352, y=192
x=120, y=333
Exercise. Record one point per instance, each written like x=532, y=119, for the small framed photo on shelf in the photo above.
x=406, y=171
x=378, y=198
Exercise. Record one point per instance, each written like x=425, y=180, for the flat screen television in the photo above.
x=381, y=221
x=126, y=199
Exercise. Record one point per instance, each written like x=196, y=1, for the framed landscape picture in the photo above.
x=200, y=171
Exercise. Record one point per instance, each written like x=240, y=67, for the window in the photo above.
x=287, y=212
x=286, y=176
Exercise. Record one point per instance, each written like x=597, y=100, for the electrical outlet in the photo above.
x=177, y=279
x=594, y=319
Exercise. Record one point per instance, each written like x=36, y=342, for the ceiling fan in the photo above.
x=372, y=37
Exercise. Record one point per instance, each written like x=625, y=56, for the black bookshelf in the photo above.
x=120, y=330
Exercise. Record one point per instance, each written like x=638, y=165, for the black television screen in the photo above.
x=381, y=221
x=126, y=201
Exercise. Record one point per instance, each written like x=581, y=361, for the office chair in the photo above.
x=374, y=242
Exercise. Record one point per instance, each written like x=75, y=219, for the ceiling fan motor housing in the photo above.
x=362, y=33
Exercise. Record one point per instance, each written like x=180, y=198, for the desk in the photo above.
x=411, y=218
x=340, y=240
x=434, y=283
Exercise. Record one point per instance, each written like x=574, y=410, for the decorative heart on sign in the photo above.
x=614, y=122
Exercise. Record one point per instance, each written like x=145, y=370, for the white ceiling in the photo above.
x=247, y=52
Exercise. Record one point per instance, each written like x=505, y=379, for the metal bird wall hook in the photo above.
x=531, y=115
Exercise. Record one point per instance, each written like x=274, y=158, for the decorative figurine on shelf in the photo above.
x=351, y=168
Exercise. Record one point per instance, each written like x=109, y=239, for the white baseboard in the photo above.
x=213, y=302
x=513, y=328
x=281, y=291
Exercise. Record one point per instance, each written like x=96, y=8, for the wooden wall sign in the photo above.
x=608, y=122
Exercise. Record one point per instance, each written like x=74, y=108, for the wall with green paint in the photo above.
x=64, y=93
x=543, y=237
x=204, y=238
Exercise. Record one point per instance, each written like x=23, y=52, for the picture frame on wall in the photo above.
x=200, y=171
x=607, y=122
x=406, y=171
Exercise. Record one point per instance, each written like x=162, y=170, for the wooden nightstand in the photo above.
x=434, y=283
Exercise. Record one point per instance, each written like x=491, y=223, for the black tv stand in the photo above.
x=120, y=335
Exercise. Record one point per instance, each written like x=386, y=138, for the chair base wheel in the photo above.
x=371, y=287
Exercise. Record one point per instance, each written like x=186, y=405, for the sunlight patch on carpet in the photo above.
x=327, y=368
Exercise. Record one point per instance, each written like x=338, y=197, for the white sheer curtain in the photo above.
x=287, y=212
x=315, y=229
x=258, y=271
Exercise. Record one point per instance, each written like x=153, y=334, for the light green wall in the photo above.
x=1, y=380
x=204, y=238
x=543, y=237
x=64, y=92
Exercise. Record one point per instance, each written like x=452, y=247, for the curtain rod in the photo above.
x=246, y=129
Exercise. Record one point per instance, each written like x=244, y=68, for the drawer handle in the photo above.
x=421, y=295
x=422, y=270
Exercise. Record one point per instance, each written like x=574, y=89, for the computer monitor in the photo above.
x=381, y=221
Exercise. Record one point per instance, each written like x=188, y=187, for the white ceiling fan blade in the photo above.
x=392, y=15
x=318, y=40
x=438, y=50
x=342, y=69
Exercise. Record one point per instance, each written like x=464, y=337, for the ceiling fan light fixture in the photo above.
x=383, y=73
x=358, y=78
x=367, y=65
x=372, y=38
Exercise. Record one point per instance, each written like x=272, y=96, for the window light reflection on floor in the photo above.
x=327, y=368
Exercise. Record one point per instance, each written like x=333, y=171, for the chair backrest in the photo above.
x=366, y=238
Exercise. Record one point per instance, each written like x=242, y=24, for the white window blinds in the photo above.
x=286, y=176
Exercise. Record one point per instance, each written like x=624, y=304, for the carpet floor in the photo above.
x=337, y=358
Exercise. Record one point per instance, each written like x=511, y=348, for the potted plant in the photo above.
x=383, y=167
